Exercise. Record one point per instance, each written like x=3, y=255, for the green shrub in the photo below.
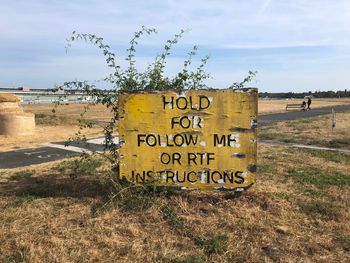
x=332, y=156
x=323, y=209
x=80, y=167
x=22, y=175
x=318, y=177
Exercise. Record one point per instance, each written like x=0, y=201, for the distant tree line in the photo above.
x=317, y=94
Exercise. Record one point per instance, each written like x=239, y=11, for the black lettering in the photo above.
x=159, y=140
x=132, y=176
x=201, y=157
x=229, y=139
x=140, y=139
x=191, y=139
x=168, y=102
x=183, y=177
x=165, y=158
x=150, y=176
x=178, y=103
x=204, y=102
x=183, y=124
x=177, y=157
x=224, y=140
x=228, y=176
x=170, y=175
x=210, y=156
x=151, y=142
x=191, y=157
x=176, y=142
x=174, y=121
x=139, y=178
x=191, y=104
x=199, y=122
x=189, y=177
x=238, y=175
x=167, y=141
x=217, y=141
x=212, y=176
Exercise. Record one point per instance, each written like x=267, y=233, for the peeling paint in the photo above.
x=239, y=155
x=182, y=151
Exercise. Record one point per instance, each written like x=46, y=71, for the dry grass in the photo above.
x=63, y=125
x=57, y=127
x=315, y=131
x=297, y=211
x=271, y=106
x=4, y=97
x=73, y=111
x=50, y=217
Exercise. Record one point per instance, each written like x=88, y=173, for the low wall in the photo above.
x=17, y=124
x=13, y=121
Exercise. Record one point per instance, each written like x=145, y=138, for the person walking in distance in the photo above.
x=303, y=107
x=308, y=102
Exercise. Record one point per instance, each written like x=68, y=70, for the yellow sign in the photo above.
x=193, y=139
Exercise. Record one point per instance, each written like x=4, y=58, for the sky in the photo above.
x=297, y=46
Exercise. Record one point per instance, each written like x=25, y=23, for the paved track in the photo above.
x=269, y=119
x=57, y=151
x=48, y=153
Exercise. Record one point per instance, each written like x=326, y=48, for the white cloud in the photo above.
x=224, y=26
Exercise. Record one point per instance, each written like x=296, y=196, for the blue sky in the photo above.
x=297, y=45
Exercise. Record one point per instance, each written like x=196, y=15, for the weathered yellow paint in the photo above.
x=148, y=118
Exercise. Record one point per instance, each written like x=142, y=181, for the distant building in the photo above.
x=29, y=96
x=24, y=88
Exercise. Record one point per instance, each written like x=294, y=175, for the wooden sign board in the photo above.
x=204, y=139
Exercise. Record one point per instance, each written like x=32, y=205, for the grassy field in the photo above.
x=314, y=131
x=272, y=106
x=297, y=211
x=58, y=126
x=70, y=211
x=64, y=125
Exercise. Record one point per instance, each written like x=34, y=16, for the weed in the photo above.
x=330, y=156
x=42, y=190
x=339, y=142
x=312, y=193
x=79, y=167
x=279, y=195
x=344, y=240
x=19, y=200
x=211, y=244
x=303, y=121
x=65, y=187
x=318, y=177
x=323, y=209
x=188, y=259
x=135, y=199
x=295, y=137
x=288, y=139
x=51, y=119
x=311, y=141
x=266, y=135
x=22, y=254
x=177, y=222
x=214, y=244
x=22, y=175
x=127, y=196
x=266, y=168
